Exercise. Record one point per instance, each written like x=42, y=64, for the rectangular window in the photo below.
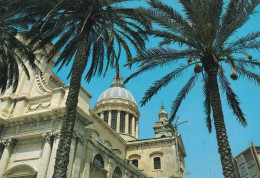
x=122, y=121
x=106, y=116
x=135, y=162
x=157, y=163
x=114, y=119
x=130, y=123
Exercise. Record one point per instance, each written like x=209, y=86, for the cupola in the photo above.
x=117, y=107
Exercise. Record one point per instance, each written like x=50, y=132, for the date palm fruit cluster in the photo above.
x=197, y=68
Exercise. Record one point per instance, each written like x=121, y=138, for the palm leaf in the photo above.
x=232, y=99
x=181, y=96
x=159, y=84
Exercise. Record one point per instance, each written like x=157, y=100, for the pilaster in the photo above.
x=46, y=154
x=109, y=118
x=56, y=140
x=8, y=147
x=118, y=122
x=137, y=129
x=127, y=123
x=133, y=126
x=79, y=154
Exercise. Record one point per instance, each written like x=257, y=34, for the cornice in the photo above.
x=111, y=100
x=147, y=142
x=51, y=114
x=124, y=107
x=47, y=115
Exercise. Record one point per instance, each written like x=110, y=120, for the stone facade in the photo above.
x=105, y=140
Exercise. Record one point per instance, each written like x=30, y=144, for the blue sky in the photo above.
x=203, y=160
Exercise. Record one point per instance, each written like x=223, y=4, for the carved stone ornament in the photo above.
x=38, y=106
x=78, y=135
x=41, y=86
x=8, y=142
x=56, y=134
x=47, y=136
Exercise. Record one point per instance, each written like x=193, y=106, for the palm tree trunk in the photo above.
x=221, y=134
x=79, y=64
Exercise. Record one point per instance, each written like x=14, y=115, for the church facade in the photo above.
x=105, y=141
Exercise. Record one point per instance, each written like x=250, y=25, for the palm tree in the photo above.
x=13, y=52
x=87, y=31
x=204, y=34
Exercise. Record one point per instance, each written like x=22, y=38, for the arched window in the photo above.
x=135, y=162
x=98, y=161
x=117, y=173
x=163, y=136
x=157, y=162
x=22, y=169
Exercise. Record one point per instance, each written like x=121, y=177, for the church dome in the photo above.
x=117, y=90
x=117, y=107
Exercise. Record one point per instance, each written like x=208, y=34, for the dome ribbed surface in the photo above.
x=117, y=92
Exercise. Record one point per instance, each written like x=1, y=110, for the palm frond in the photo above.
x=232, y=99
x=248, y=63
x=159, y=84
x=250, y=75
x=236, y=16
x=181, y=96
x=157, y=57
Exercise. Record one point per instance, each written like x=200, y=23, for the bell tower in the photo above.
x=162, y=127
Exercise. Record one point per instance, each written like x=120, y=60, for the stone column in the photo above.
x=137, y=129
x=109, y=118
x=125, y=174
x=46, y=154
x=118, y=122
x=127, y=123
x=102, y=115
x=56, y=140
x=109, y=169
x=133, y=126
x=8, y=144
x=83, y=156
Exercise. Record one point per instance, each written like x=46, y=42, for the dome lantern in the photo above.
x=163, y=115
x=118, y=81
